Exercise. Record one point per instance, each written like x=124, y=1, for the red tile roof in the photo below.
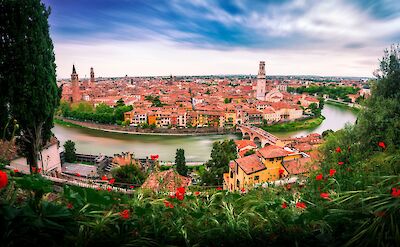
x=250, y=164
x=273, y=151
x=244, y=143
x=166, y=180
x=299, y=166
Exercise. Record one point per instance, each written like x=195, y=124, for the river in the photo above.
x=197, y=148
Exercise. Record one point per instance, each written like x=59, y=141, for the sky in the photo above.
x=204, y=37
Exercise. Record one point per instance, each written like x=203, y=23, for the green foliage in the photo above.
x=334, y=92
x=27, y=74
x=180, y=162
x=221, y=154
x=227, y=100
x=155, y=100
x=315, y=110
x=120, y=103
x=102, y=113
x=249, y=152
x=104, y=109
x=326, y=133
x=295, y=125
x=380, y=121
x=70, y=151
x=130, y=174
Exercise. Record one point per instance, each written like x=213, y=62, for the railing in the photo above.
x=87, y=183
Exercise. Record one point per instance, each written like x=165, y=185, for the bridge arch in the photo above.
x=246, y=136
x=257, y=141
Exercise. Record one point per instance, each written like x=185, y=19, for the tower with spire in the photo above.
x=76, y=94
x=261, y=81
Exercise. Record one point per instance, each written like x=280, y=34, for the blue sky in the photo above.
x=146, y=37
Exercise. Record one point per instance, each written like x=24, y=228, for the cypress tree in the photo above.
x=70, y=151
x=180, y=162
x=28, y=73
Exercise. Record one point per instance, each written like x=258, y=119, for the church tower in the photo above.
x=76, y=95
x=261, y=82
x=91, y=76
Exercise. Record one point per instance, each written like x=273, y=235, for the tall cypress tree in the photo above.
x=28, y=72
x=180, y=162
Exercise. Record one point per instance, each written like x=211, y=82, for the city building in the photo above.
x=266, y=165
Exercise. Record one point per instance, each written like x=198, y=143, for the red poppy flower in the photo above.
x=39, y=170
x=395, y=192
x=112, y=181
x=125, y=214
x=180, y=197
x=98, y=188
x=16, y=170
x=219, y=188
x=180, y=190
x=338, y=150
x=104, y=178
x=78, y=175
x=340, y=163
x=382, y=145
x=284, y=205
x=33, y=169
x=243, y=190
x=319, y=177
x=3, y=179
x=167, y=203
x=325, y=195
x=109, y=189
x=301, y=205
x=69, y=205
x=172, y=196
x=171, y=205
x=281, y=171
x=131, y=187
x=197, y=193
x=332, y=172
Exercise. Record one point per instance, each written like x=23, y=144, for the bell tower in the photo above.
x=261, y=81
x=91, y=75
x=76, y=95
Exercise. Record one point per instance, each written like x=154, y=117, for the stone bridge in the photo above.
x=259, y=136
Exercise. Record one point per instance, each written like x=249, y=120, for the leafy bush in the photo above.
x=130, y=174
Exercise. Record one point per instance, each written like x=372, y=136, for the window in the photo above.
x=237, y=183
x=256, y=177
x=231, y=174
x=271, y=159
x=237, y=168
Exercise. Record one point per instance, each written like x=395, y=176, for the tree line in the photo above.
x=334, y=92
x=101, y=113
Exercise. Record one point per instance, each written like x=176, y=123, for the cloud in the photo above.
x=343, y=31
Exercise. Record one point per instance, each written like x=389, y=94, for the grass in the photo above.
x=67, y=124
x=296, y=125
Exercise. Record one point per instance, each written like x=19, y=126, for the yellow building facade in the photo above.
x=263, y=166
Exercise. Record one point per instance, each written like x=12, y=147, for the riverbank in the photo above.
x=295, y=125
x=139, y=131
x=343, y=105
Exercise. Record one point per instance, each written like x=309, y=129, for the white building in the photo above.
x=49, y=160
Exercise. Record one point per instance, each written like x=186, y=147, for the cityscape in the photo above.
x=201, y=123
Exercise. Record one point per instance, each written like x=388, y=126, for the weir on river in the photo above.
x=197, y=148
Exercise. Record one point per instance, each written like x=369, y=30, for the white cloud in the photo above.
x=156, y=58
